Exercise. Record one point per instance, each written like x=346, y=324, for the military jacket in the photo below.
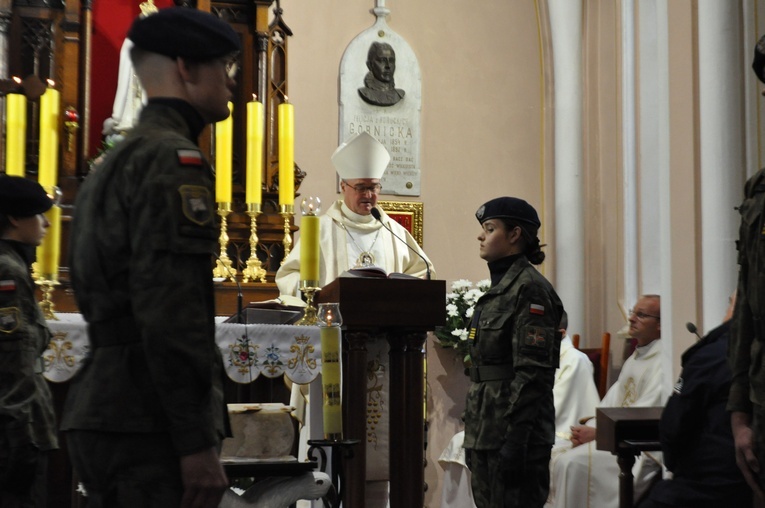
x=515, y=335
x=26, y=408
x=142, y=239
x=747, y=327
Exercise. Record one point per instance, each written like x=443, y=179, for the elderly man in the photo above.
x=349, y=236
x=746, y=352
x=581, y=475
x=145, y=416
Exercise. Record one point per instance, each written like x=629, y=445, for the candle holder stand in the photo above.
x=287, y=211
x=254, y=269
x=309, y=289
x=46, y=304
x=223, y=269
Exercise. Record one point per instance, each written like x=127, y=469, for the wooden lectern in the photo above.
x=626, y=432
x=403, y=311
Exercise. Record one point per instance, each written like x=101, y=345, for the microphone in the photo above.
x=692, y=328
x=376, y=215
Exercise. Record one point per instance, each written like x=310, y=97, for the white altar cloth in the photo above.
x=247, y=350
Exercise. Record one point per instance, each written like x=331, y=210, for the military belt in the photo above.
x=114, y=332
x=490, y=372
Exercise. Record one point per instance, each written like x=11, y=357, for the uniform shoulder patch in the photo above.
x=196, y=202
x=10, y=319
x=189, y=157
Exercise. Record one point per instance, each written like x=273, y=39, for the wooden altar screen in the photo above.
x=401, y=310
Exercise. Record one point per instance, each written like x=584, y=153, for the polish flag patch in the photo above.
x=537, y=309
x=7, y=285
x=190, y=157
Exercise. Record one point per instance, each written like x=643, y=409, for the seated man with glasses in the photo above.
x=349, y=236
x=581, y=475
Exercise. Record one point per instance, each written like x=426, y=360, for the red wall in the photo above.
x=111, y=21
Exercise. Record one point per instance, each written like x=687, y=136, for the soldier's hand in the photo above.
x=204, y=480
x=746, y=460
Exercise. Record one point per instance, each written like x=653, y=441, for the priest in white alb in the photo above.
x=581, y=475
x=574, y=391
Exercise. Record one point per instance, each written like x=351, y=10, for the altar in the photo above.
x=248, y=350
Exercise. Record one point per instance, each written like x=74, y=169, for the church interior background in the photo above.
x=630, y=125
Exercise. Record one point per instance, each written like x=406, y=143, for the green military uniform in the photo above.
x=143, y=235
x=27, y=420
x=515, y=351
x=746, y=351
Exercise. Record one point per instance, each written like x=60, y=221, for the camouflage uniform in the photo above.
x=509, y=416
x=143, y=235
x=746, y=353
x=27, y=420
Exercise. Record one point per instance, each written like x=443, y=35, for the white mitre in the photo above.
x=362, y=156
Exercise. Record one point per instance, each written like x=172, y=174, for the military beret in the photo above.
x=508, y=208
x=184, y=32
x=759, y=59
x=20, y=197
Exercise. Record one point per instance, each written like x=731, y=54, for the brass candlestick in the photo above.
x=287, y=212
x=254, y=269
x=309, y=289
x=46, y=304
x=223, y=269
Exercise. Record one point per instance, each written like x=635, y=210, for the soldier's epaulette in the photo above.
x=188, y=157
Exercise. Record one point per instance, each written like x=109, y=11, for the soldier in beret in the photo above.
x=515, y=347
x=746, y=353
x=27, y=419
x=145, y=416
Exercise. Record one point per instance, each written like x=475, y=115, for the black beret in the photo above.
x=759, y=59
x=20, y=197
x=184, y=32
x=508, y=208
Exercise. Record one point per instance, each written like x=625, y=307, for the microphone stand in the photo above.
x=376, y=214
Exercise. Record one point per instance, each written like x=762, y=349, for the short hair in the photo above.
x=658, y=300
x=376, y=46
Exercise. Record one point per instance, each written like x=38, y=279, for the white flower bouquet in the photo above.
x=460, y=303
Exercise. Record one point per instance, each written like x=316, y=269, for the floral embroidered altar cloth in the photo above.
x=248, y=351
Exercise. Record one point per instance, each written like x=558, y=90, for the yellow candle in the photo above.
x=224, y=131
x=15, y=134
x=286, y=154
x=49, y=252
x=330, y=382
x=254, y=171
x=309, y=248
x=50, y=106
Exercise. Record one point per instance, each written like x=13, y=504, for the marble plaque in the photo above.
x=386, y=106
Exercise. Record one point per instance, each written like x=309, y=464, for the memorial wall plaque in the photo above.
x=381, y=93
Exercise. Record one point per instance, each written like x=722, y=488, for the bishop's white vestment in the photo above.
x=587, y=477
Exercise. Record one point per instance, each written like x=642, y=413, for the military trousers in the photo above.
x=121, y=470
x=496, y=484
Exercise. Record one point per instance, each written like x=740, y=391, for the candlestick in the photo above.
x=254, y=167
x=46, y=304
x=254, y=270
x=15, y=134
x=286, y=115
x=223, y=269
x=309, y=241
x=50, y=103
x=309, y=313
x=287, y=211
x=223, y=151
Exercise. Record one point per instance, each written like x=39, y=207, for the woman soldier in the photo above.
x=27, y=421
x=514, y=347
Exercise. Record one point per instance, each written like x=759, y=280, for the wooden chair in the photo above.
x=600, y=361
